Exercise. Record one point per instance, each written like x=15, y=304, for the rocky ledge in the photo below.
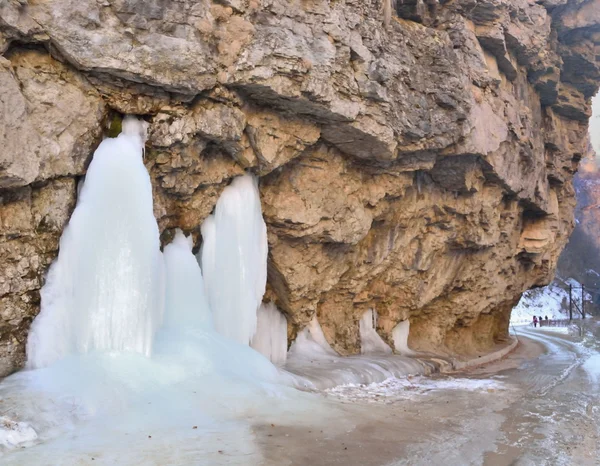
x=421, y=168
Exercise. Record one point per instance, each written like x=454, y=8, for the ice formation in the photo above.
x=370, y=341
x=400, y=336
x=320, y=367
x=127, y=333
x=234, y=259
x=311, y=342
x=270, y=338
x=185, y=297
x=111, y=300
x=104, y=291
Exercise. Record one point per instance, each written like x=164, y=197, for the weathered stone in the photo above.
x=276, y=140
x=50, y=117
x=31, y=222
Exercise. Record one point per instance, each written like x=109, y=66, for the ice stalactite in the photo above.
x=311, y=342
x=400, y=336
x=270, y=338
x=318, y=366
x=105, y=290
x=370, y=341
x=234, y=259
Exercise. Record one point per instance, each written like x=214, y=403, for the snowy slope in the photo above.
x=551, y=301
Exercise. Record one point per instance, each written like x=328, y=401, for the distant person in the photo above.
x=535, y=321
x=546, y=319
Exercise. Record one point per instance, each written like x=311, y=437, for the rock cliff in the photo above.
x=423, y=169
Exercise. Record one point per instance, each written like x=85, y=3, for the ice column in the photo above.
x=270, y=338
x=311, y=343
x=186, y=304
x=104, y=292
x=370, y=341
x=234, y=259
x=400, y=336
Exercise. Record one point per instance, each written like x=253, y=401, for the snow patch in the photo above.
x=13, y=434
x=592, y=367
x=394, y=389
x=561, y=330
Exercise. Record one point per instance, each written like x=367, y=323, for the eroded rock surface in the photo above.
x=422, y=169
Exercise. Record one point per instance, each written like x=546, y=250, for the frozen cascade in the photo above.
x=319, y=366
x=102, y=316
x=311, y=343
x=104, y=291
x=235, y=276
x=185, y=298
x=93, y=389
x=370, y=341
x=270, y=338
x=400, y=336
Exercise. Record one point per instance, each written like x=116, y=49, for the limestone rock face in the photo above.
x=423, y=170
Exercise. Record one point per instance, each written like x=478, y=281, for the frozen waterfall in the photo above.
x=186, y=302
x=139, y=355
x=370, y=341
x=234, y=259
x=105, y=290
x=270, y=339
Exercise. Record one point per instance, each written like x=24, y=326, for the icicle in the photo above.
x=370, y=341
x=400, y=336
x=234, y=259
x=105, y=290
x=311, y=342
x=270, y=338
